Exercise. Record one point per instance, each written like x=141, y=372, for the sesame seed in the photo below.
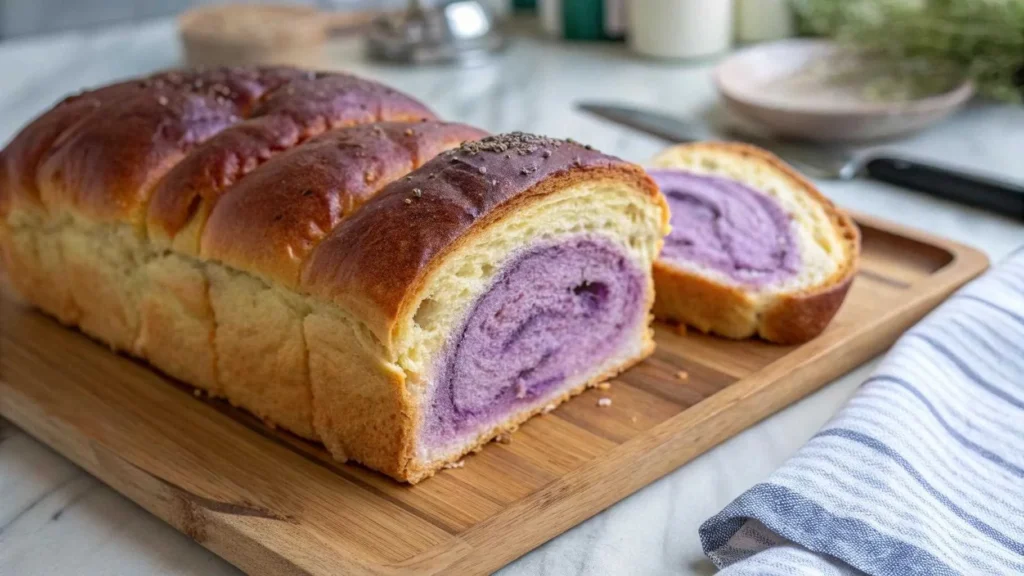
x=417, y=192
x=407, y=200
x=604, y=402
x=683, y=375
x=408, y=131
x=482, y=169
x=162, y=100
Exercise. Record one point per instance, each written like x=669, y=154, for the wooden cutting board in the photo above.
x=273, y=504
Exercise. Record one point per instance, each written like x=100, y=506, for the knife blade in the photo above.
x=1001, y=197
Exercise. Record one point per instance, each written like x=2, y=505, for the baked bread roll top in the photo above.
x=270, y=221
x=376, y=262
x=286, y=117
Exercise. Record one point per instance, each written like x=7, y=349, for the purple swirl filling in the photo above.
x=554, y=312
x=724, y=225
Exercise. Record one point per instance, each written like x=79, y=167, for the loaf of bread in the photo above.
x=302, y=245
x=755, y=249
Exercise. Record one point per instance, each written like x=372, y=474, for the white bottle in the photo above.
x=680, y=28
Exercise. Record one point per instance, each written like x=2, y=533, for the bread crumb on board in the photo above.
x=548, y=409
x=459, y=464
x=604, y=402
x=603, y=386
x=683, y=375
x=197, y=393
x=633, y=418
x=503, y=438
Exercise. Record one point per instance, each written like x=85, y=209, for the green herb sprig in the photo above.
x=930, y=42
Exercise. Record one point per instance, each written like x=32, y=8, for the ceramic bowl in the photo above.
x=786, y=88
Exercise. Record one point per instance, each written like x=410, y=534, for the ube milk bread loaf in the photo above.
x=301, y=245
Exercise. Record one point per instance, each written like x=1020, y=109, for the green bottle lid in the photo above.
x=583, y=19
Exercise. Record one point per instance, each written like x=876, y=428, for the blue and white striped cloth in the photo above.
x=921, y=473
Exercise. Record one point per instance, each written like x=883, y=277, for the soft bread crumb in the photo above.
x=604, y=402
x=459, y=464
x=603, y=386
x=503, y=438
x=683, y=375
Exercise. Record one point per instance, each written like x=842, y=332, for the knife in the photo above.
x=1001, y=197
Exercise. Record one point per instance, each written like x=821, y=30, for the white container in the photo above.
x=763, y=20
x=680, y=28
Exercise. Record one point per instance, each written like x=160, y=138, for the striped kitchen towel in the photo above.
x=922, y=472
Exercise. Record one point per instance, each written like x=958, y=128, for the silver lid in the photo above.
x=459, y=31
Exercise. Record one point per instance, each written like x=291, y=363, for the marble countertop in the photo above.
x=56, y=519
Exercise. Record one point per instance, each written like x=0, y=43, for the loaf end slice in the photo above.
x=499, y=279
x=756, y=249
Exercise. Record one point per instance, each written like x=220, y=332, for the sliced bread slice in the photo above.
x=755, y=248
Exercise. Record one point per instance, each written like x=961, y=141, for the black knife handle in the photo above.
x=1006, y=198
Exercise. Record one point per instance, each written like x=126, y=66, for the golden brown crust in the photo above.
x=379, y=256
x=731, y=311
x=21, y=158
x=362, y=408
x=31, y=268
x=793, y=319
x=295, y=112
x=104, y=165
x=709, y=306
x=269, y=222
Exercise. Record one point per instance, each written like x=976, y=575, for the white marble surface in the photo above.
x=55, y=519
